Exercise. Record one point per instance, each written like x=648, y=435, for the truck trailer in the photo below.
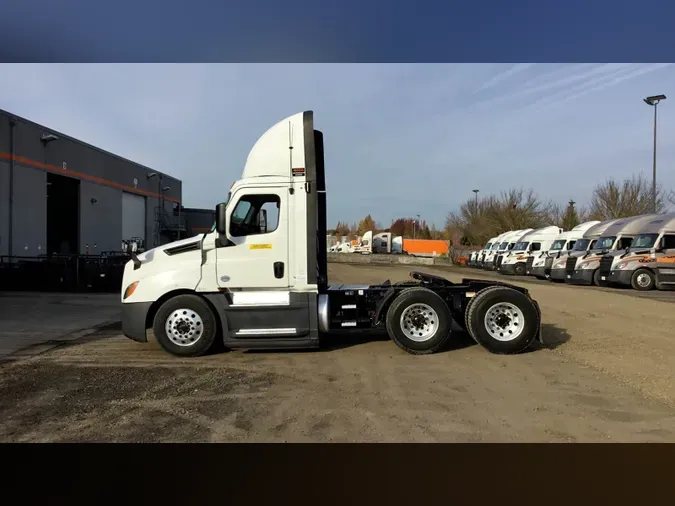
x=256, y=281
x=649, y=262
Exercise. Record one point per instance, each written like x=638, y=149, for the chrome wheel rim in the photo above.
x=184, y=327
x=419, y=322
x=504, y=321
x=643, y=280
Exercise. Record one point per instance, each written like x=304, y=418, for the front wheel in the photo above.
x=642, y=280
x=502, y=320
x=185, y=326
x=419, y=321
x=519, y=269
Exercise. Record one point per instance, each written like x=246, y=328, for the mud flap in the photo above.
x=540, y=336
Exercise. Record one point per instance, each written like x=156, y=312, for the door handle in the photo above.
x=278, y=270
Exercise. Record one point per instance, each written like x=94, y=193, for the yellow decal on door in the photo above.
x=260, y=246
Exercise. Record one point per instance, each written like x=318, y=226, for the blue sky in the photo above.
x=401, y=139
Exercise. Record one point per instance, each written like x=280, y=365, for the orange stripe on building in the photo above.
x=81, y=175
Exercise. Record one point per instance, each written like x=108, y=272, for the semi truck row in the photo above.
x=636, y=252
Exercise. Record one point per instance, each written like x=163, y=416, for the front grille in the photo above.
x=528, y=264
x=499, y=260
x=548, y=263
x=570, y=265
x=605, y=265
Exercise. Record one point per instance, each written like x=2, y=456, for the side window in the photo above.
x=255, y=215
x=669, y=241
x=536, y=246
x=625, y=242
x=571, y=244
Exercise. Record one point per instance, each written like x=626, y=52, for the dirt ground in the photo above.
x=607, y=373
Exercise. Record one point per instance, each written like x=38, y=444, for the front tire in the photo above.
x=502, y=320
x=185, y=326
x=419, y=321
x=519, y=269
x=642, y=280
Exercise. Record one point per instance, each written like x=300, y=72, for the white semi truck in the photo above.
x=514, y=262
x=509, y=241
x=650, y=261
x=260, y=281
x=480, y=254
x=585, y=270
x=491, y=255
x=539, y=265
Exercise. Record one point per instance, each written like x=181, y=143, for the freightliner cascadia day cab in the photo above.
x=559, y=271
x=539, y=265
x=650, y=261
x=486, y=258
x=480, y=255
x=491, y=254
x=515, y=261
x=618, y=236
x=509, y=242
x=258, y=278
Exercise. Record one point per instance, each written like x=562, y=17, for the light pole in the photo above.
x=654, y=101
x=476, y=192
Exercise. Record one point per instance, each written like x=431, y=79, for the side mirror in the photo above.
x=221, y=218
x=262, y=221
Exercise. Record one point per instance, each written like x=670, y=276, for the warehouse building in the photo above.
x=59, y=195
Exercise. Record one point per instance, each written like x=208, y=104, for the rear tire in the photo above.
x=419, y=321
x=185, y=326
x=502, y=320
x=642, y=280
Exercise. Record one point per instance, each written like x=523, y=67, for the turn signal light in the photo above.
x=130, y=289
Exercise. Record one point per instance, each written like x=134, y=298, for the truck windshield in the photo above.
x=645, y=241
x=521, y=246
x=605, y=242
x=558, y=245
x=504, y=245
x=581, y=245
x=495, y=246
x=487, y=246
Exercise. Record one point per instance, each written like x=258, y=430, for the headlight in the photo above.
x=621, y=265
x=587, y=265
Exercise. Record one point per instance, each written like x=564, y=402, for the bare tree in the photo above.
x=631, y=197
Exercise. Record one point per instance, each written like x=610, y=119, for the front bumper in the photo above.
x=539, y=272
x=619, y=277
x=580, y=277
x=507, y=269
x=558, y=274
x=134, y=316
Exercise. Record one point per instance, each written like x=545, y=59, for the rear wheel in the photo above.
x=419, y=321
x=643, y=280
x=185, y=326
x=502, y=320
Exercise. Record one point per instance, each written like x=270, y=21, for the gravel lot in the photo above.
x=606, y=374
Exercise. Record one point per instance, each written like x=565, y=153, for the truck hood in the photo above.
x=148, y=255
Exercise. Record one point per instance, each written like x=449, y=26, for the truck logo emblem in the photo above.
x=224, y=279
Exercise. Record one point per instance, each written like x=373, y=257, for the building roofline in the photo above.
x=86, y=144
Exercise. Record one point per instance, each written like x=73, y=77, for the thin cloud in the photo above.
x=519, y=67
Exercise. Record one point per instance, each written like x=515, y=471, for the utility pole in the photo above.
x=654, y=101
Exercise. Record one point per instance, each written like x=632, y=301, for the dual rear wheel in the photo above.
x=499, y=318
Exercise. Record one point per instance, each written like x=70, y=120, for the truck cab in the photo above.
x=259, y=278
x=515, y=261
x=491, y=254
x=649, y=262
x=540, y=265
x=617, y=237
x=480, y=255
x=507, y=245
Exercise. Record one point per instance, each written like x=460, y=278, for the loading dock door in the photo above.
x=133, y=216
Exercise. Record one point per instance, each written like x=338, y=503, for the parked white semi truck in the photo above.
x=514, y=262
x=539, y=265
x=491, y=254
x=618, y=236
x=650, y=261
x=480, y=255
x=254, y=285
x=509, y=241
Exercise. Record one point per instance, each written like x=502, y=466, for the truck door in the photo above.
x=254, y=255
